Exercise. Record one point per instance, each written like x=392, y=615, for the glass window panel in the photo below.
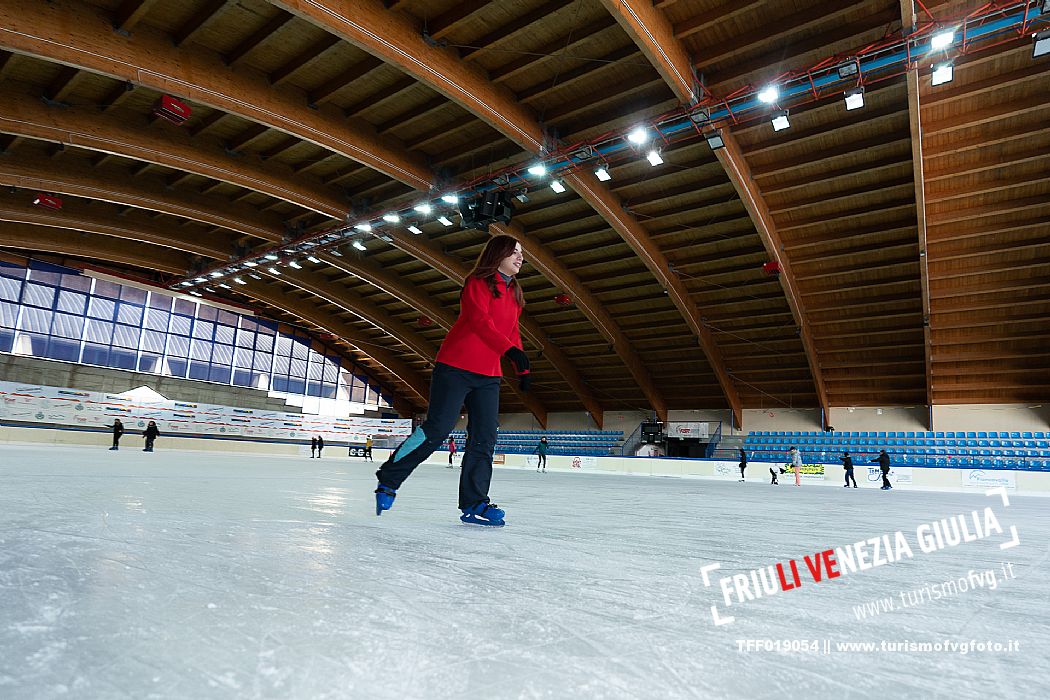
x=263, y=361
x=7, y=339
x=264, y=343
x=153, y=341
x=203, y=329
x=280, y=384
x=8, y=314
x=315, y=368
x=373, y=394
x=224, y=334
x=68, y=326
x=122, y=359
x=102, y=308
x=126, y=336
x=72, y=302
x=200, y=350
x=11, y=270
x=105, y=288
x=38, y=295
x=219, y=374
x=79, y=283
x=199, y=370
x=243, y=358
x=281, y=365
x=298, y=369
x=313, y=389
x=149, y=363
x=225, y=317
x=299, y=349
x=296, y=385
x=63, y=349
x=357, y=391
x=10, y=289
x=175, y=366
x=185, y=307
x=161, y=302
x=95, y=354
x=157, y=320
x=45, y=276
x=331, y=372
x=178, y=346
x=129, y=314
x=284, y=345
x=99, y=332
x=36, y=320
x=208, y=313
x=245, y=339
x=222, y=354
x=133, y=295
x=181, y=325
x=244, y=377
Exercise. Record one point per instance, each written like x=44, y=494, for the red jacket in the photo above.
x=486, y=328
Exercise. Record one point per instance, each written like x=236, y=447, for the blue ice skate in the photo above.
x=483, y=514
x=384, y=498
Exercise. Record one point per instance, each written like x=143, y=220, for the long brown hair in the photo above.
x=487, y=266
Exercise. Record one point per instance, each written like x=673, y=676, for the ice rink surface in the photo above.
x=191, y=575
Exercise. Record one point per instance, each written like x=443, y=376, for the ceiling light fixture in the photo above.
x=557, y=186
x=363, y=227
x=942, y=39
x=313, y=259
x=780, y=120
x=769, y=94
x=654, y=158
x=1042, y=44
x=273, y=271
x=391, y=218
x=294, y=265
x=603, y=174
x=415, y=229
x=449, y=198
x=854, y=98
x=239, y=280
x=714, y=139
x=423, y=208
x=942, y=73
x=538, y=170
x=359, y=245
x=444, y=221
x=271, y=256
x=638, y=135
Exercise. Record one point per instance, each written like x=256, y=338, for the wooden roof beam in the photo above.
x=303, y=59
x=130, y=13
x=197, y=22
x=276, y=23
x=651, y=30
x=74, y=243
x=443, y=71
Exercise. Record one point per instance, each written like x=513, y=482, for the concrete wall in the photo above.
x=33, y=370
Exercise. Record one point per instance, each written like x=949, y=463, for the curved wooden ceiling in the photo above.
x=912, y=234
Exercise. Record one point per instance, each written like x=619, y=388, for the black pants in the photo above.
x=743, y=466
x=774, y=475
x=886, y=480
x=368, y=454
x=850, y=477
x=542, y=461
x=149, y=444
x=116, y=440
x=450, y=389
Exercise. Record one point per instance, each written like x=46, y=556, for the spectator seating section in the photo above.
x=581, y=443
x=984, y=449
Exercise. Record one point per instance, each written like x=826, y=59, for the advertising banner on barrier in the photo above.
x=28, y=403
x=688, y=430
x=988, y=478
x=809, y=472
x=899, y=476
x=584, y=462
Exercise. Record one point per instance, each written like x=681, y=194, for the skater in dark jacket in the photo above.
x=320, y=446
x=773, y=473
x=467, y=372
x=884, y=464
x=847, y=464
x=118, y=430
x=313, y=447
x=151, y=433
x=743, y=463
x=541, y=453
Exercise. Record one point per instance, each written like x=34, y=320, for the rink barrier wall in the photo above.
x=30, y=434
x=918, y=478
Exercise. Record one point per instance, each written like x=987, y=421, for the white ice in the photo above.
x=192, y=575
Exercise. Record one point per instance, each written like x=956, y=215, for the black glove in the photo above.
x=521, y=365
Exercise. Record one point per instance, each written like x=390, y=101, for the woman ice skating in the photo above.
x=313, y=447
x=884, y=464
x=796, y=464
x=368, y=448
x=320, y=446
x=451, y=450
x=541, y=452
x=847, y=464
x=743, y=463
x=467, y=372
x=773, y=474
x=151, y=433
x=118, y=430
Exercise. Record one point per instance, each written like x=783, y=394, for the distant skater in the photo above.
x=743, y=463
x=320, y=446
x=773, y=473
x=541, y=453
x=451, y=450
x=151, y=433
x=796, y=464
x=313, y=447
x=847, y=464
x=884, y=465
x=118, y=430
x=368, y=449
